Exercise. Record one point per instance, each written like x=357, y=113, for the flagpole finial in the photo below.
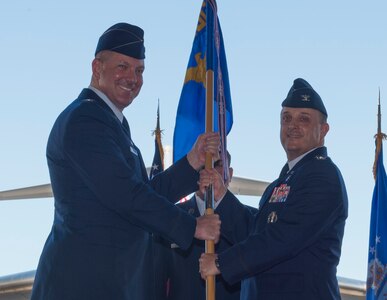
x=379, y=137
x=158, y=114
x=158, y=159
x=157, y=130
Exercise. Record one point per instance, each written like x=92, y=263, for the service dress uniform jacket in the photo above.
x=185, y=280
x=293, y=249
x=105, y=208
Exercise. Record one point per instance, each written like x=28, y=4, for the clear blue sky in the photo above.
x=338, y=46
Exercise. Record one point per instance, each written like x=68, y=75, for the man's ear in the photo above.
x=96, y=66
x=231, y=172
x=324, y=129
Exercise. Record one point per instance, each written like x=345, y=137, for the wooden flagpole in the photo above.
x=209, y=164
x=209, y=195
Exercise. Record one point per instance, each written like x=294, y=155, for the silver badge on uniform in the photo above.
x=272, y=218
x=174, y=246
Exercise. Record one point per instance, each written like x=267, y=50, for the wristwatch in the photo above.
x=217, y=265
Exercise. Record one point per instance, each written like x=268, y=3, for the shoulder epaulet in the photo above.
x=88, y=100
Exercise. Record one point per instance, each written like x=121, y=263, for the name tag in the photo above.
x=280, y=193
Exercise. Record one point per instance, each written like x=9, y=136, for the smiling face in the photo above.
x=302, y=129
x=118, y=76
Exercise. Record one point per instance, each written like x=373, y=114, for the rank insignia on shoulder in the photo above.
x=320, y=157
x=272, y=217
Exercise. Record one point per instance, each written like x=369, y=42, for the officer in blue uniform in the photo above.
x=182, y=280
x=293, y=248
x=105, y=206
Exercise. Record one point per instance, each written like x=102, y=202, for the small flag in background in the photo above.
x=190, y=118
x=377, y=256
x=158, y=159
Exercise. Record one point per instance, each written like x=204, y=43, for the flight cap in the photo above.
x=123, y=38
x=302, y=95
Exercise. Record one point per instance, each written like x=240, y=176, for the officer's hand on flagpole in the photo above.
x=208, y=227
x=207, y=266
x=205, y=143
x=211, y=176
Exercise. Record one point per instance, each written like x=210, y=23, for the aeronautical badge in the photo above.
x=272, y=218
x=376, y=274
x=280, y=193
x=305, y=98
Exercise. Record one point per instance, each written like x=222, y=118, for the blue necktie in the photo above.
x=284, y=170
x=125, y=124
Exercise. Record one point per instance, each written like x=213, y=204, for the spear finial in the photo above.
x=379, y=116
x=159, y=151
x=379, y=137
x=157, y=131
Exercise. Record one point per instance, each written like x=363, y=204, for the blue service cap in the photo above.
x=123, y=38
x=302, y=95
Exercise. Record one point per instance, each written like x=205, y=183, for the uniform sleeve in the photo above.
x=314, y=205
x=176, y=182
x=93, y=147
x=237, y=218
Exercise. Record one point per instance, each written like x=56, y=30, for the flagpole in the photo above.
x=158, y=135
x=209, y=164
x=158, y=158
x=379, y=137
x=377, y=255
